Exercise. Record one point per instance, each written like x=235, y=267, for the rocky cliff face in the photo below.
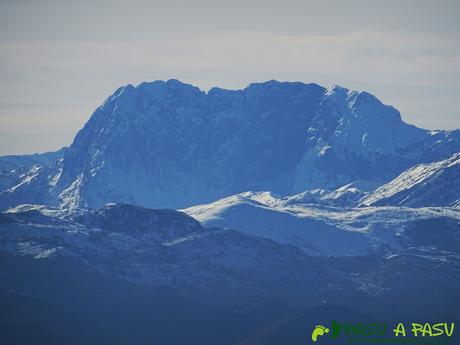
x=169, y=144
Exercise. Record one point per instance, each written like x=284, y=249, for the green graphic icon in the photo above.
x=336, y=329
x=318, y=331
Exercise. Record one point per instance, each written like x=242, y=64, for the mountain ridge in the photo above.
x=268, y=231
x=172, y=145
x=428, y=184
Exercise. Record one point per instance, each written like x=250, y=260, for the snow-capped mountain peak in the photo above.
x=169, y=144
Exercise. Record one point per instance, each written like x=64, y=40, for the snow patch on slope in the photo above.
x=317, y=229
x=436, y=184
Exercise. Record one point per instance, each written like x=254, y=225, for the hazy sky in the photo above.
x=60, y=59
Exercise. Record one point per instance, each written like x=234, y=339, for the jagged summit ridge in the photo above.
x=172, y=145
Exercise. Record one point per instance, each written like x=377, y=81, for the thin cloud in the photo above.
x=417, y=71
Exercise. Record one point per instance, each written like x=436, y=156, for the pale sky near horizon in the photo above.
x=60, y=59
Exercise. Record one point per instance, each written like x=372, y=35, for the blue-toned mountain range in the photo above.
x=170, y=144
x=230, y=217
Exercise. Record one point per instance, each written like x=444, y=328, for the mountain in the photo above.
x=325, y=230
x=122, y=274
x=433, y=184
x=169, y=144
x=17, y=169
x=229, y=217
x=154, y=248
